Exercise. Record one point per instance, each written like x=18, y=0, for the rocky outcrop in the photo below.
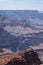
x=27, y=58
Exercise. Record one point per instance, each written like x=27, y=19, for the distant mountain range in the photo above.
x=21, y=14
x=24, y=18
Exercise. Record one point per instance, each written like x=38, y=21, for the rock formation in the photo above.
x=27, y=58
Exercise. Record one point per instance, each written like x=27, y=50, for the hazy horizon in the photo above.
x=21, y=5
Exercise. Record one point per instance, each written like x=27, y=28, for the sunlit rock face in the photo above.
x=27, y=58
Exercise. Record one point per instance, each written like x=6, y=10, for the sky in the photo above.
x=21, y=5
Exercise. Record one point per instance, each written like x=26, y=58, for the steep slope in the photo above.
x=21, y=42
x=7, y=40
